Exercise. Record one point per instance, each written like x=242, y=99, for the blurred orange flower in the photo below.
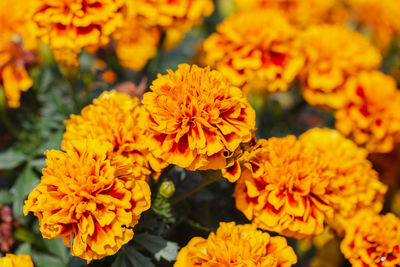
x=237, y=245
x=356, y=185
x=371, y=114
x=88, y=198
x=372, y=240
x=11, y=260
x=255, y=51
x=115, y=117
x=333, y=54
x=284, y=188
x=13, y=75
x=195, y=117
x=70, y=25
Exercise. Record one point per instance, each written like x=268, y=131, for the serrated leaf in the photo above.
x=56, y=246
x=45, y=260
x=137, y=259
x=11, y=159
x=6, y=198
x=158, y=246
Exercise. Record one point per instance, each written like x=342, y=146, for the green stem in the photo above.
x=209, y=179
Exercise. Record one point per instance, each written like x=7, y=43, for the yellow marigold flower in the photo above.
x=237, y=245
x=284, y=188
x=115, y=117
x=88, y=198
x=333, y=54
x=255, y=50
x=356, y=185
x=135, y=44
x=174, y=17
x=371, y=114
x=70, y=25
x=195, y=117
x=380, y=16
x=372, y=240
x=301, y=12
x=13, y=75
x=11, y=260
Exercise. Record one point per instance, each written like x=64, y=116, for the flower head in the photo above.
x=372, y=240
x=356, y=185
x=11, y=260
x=237, y=245
x=333, y=54
x=13, y=75
x=256, y=51
x=89, y=199
x=115, y=117
x=380, y=16
x=70, y=25
x=371, y=114
x=195, y=117
x=284, y=188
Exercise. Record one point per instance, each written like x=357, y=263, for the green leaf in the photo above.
x=158, y=246
x=57, y=247
x=45, y=260
x=25, y=248
x=137, y=259
x=39, y=164
x=121, y=260
x=6, y=198
x=11, y=159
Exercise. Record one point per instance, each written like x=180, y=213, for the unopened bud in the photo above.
x=167, y=189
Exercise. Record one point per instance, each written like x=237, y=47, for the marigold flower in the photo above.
x=115, y=117
x=70, y=25
x=255, y=50
x=284, y=188
x=11, y=260
x=333, y=54
x=88, y=198
x=380, y=16
x=237, y=245
x=136, y=44
x=301, y=12
x=372, y=240
x=371, y=114
x=174, y=17
x=13, y=75
x=195, y=117
x=356, y=185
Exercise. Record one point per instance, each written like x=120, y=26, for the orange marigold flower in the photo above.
x=70, y=25
x=380, y=16
x=136, y=44
x=237, y=245
x=255, y=50
x=372, y=240
x=301, y=12
x=333, y=54
x=371, y=114
x=114, y=117
x=174, y=17
x=13, y=75
x=88, y=198
x=11, y=260
x=356, y=185
x=195, y=117
x=284, y=188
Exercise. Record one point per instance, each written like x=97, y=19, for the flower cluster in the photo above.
x=237, y=245
x=256, y=51
x=356, y=185
x=333, y=54
x=115, y=117
x=371, y=115
x=372, y=240
x=11, y=260
x=88, y=198
x=195, y=117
